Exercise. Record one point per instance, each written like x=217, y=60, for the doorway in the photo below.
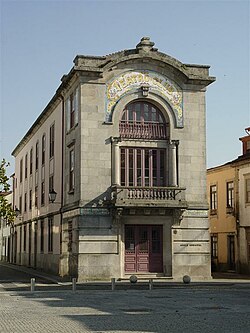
x=143, y=249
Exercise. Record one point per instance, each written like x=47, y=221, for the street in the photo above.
x=176, y=308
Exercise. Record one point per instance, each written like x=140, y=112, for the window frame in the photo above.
x=213, y=199
x=72, y=170
x=142, y=167
x=247, y=191
x=214, y=246
x=43, y=148
x=50, y=233
x=52, y=141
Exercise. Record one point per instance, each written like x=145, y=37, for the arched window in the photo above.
x=143, y=120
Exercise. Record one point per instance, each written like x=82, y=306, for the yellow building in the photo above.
x=221, y=187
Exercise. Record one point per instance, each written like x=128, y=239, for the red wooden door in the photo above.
x=143, y=248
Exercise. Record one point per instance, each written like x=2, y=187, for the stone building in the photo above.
x=123, y=145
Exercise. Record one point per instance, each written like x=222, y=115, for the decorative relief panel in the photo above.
x=134, y=80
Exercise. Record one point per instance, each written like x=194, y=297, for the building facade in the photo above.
x=242, y=168
x=228, y=188
x=221, y=183
x=122, y=143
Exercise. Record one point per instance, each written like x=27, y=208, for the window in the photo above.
x=230, y=194
x=42, y=235
x=42, y=193
x=248, y=190
x=50, y=234
x=21, y=170
x=31, y=161
x=36, y=196
x=72, y=105
x=214, y=246
x=71, y=170
x=51, y=183
x=213, y=199
x=37, y=154
x=143, y=120
x=51, y=140
x=20, y=204
x=21, y=237
x=24, y=238
x=25, y=202
x=26, y=166
x=142, y=167
x=30, y=200
x=43, y=148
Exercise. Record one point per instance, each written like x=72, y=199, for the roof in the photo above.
x=96, y=65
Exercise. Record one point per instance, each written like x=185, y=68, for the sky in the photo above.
x=40, y=39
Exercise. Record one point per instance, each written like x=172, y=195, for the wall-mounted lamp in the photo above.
x=17, y=212
x=52, y=196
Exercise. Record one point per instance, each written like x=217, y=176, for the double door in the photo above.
x=143, y=249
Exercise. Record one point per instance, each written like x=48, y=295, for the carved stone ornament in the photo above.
x=178, y=216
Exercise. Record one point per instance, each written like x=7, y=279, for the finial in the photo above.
x=145, y=44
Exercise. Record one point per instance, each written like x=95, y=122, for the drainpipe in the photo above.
x=62, y=175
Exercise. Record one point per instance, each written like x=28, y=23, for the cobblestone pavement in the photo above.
x=177, y=309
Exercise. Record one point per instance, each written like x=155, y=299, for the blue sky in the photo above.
x=39, y=40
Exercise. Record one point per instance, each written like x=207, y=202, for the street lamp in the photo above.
x=52, y=195
x=17, y=212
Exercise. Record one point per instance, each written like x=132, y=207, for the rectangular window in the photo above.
x=42, y=235
x=42, y=193
x=21, y=170
x=51, y=183
x=213, y=199
x=36, y=196
x=20, y=204
x=21, y=237
x=25, y=202
x=248, y=190
x=43, y=149
x=72, y=111
x=30, y=200
x=37, y=154
x=230, y=194
x=142, y=167
x=26, y=166
x=214, y=246
x=31, y=161
x=72, y=106
x=24, y=237
x=50, y=234
x=51, y=140
x=71, y=170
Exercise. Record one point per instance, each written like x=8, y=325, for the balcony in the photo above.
x=138, y=130
x=171, y=197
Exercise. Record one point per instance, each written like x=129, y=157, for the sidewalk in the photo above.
x=218, y=278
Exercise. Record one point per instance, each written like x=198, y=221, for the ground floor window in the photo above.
x=214, y=246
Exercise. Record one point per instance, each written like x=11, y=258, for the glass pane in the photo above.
x=130, y=239
x=131, y=167
x=156, y=240
x=138, y=164
x=143, y=240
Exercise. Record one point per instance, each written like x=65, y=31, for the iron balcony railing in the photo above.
x=139, y=130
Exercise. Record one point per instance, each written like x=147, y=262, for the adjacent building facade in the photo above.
x=122, y=145
x=228, y=188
